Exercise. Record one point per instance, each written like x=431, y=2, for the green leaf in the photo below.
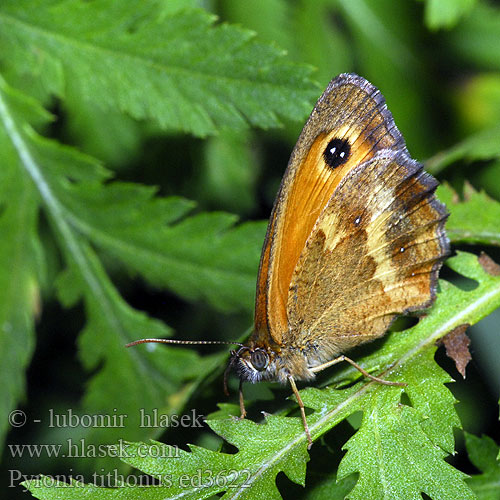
x=199, y=257
x=474, y=220
x=390, y=425
x=230, y=171
x=289, y=24
x=329, y=47
x=483, y=145
x=118, y=76
x=115, y=143
x=446, y=13
x=332, y=488
x=396, y=458
x=249, y=474
x=400, y=448
x=475, y=39
x=173, y=67
x=483, y=453
x=20, y=254
x=68, y=186
x=269, y=18
x=44, y=167
x=489, y=179
x=477, y=101
x=56, y=48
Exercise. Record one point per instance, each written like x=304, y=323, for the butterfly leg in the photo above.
x=302, y=411
x=243, y=412
x=362, y=370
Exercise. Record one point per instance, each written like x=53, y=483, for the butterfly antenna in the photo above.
x=186, y=342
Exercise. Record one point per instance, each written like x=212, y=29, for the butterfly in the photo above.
x=356, y=237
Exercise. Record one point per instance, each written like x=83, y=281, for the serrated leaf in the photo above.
x=483, y=453
x=395, y=458
x=52, y=175
x=198, y=257
x=20, y=256
x=399, y=447
x=429, y=397
x=110, y=324
x=204, y=256
x=248, y=474
x=289, y=24
x=332, y=488
x=173, y=67
x=474, y=220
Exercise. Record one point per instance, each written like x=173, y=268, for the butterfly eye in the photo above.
x=259, y=360
x=337, y=152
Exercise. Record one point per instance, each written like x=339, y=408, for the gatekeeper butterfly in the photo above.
x=356, y=237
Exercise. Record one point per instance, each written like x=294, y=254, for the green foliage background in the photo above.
x=142, y=144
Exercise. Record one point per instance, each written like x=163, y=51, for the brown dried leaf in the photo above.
x=488, y=264
x=457, y=347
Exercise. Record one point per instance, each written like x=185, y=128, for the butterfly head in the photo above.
x=253, y=364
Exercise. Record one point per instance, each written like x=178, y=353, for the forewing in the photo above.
x=350, y=109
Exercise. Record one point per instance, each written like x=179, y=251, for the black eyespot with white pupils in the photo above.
x=259, y=359
x=337, y=152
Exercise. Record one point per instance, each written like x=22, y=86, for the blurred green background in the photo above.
x=437, y=62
